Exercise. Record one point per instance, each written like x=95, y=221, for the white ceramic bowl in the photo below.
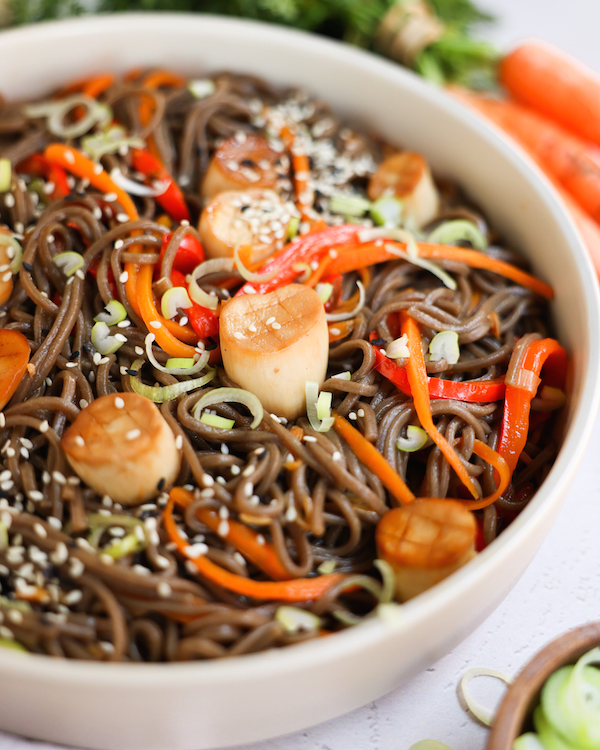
x=214, y=704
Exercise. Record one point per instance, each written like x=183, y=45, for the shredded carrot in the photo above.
x=417, y=378
x=352, y=257
x=502, y=471
x=301, y=168
x=154, y=80
x=244, y=539
x=92, y=86
x=373, y=460
x=295, y=590
x=165, y=337
x=340, y=330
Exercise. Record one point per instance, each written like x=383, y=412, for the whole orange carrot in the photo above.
x=556, y=85
x=560, y=154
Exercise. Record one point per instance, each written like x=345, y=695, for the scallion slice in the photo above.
x=103, y=342
x=174, y=299
x=202, y=87
x=293, y=227
x=214, y=420
x=349, y=205
x=137, y=188
x=109, y=142
x=415, y=439
x=5, y=175
x=160, y=394
x=198, y=365
x=320, y=424
x=114, y=312
x=324, y=291
x=458, y=230
x=215, y=265
x=14, y=251
x=249, y=275
x=444, y=345
x=56, y=111
x=230, y=395
x=398, y=349
x=337, y=317
x=69, y=262
x=297, y=620
x=387, y=211
x=484, y=714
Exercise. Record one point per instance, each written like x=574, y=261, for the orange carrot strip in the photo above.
x=296, y=590
x=147, y=309
x=301, y=167
x=244, y=539
x=495, y=459
x=154, y=80
x=353, y=257
x=373, y=460
x=98, y=85
x=341, y=329
x=14, y=356
x=417, y=378
x=556, y=85
x=77, y=163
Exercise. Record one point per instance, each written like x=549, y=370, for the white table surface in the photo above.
x=560, y=588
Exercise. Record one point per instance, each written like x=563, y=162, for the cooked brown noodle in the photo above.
x=149, y=605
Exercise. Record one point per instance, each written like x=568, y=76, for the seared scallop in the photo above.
x=424, y=542
x=255, y=221
x=121, y=446
x=242, y=161
x=273, y=343
x=406, y=175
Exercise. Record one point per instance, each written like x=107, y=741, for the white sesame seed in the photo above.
x=164, y=590
x=141, y=570
x=207, y=480
x=235, y=470
x=96, y=358
x=223, y=512
x=336, y=456
x=73, y=597
x=276, y=325
x=260, y=540
x=162, y=562
x=83, y=543
x=7, y=485
x=139, y=351
x=60, y=554
x=224, y=448
x=104, y=360
x=5, y=475
x=54, y=522
x=111, y=198
x=107, y=559
x=123, y=277
x=59, y=477
x=248, y=470
x=35, y=495
x=44, y=426
x=154, y=324
x=76, y=567
x=352, y=415
x=254, y=500
x=79, y=440
x=2, y=419
x=133, y=434
x=248, y=489
x=309, y=439
x=9, y=200
x=121, y=338
x=193, y=551
x=122, y=218
x=239, y=335
x=179, y=442
x=223, y=528
x=107, y=647
x=270, y=320
x=10, y=452
x=361, y=412
x=14, y=615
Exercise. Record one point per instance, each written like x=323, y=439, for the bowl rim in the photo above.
x=425, y=606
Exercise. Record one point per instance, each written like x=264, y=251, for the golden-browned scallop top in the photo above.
x=428, y=533
x=124, y=422
x=270, y=322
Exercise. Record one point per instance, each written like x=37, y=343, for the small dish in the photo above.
x=514, y=715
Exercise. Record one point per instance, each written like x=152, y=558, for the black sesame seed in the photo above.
x=46, y=330
x=87, y=348
x=70, y=197
x=161, y=484
x=131, y=372
x=212, y=344
x=247, y=163
x=244, y=208
x=75, y=354
x=27, y=266
x=379, y=342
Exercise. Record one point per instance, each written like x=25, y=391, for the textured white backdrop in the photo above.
x=559, y=590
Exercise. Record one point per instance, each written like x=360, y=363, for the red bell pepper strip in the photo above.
x=546, y=353
x=306, y=249
x=204, y=322
x=190, y=253
x=38, y=166
x=474, y=391
x=172, y=199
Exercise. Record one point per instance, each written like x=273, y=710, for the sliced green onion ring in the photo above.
x=12, y=644
x=137, y=188
x=174, y=299
x=387, y=211
x=68, y=262
x=202, y=87
x=297, y=620
x=398, y=348
x=114, y=312
x=528, y=741
x=3, y=536
x=312, y=398
x=5, y=175
x=324, y=291
x=109, y=142
x=57, y=110
x=444, y=345
x=346, y=375
x=230, y=395
x=214, y=420
x=389, y=580
x=368, y=584
x=349, y=205
x=293, y=227
x=13, y=250
x=198, y=365
x=249, y=275
x=98, y=524
x=415, y=439
x=337, y=317
x=481, y=712
x=176, y=363
x=103, y=342
x=160, y=394
x=215, y=265
x=458, y=230
x=429, y=745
